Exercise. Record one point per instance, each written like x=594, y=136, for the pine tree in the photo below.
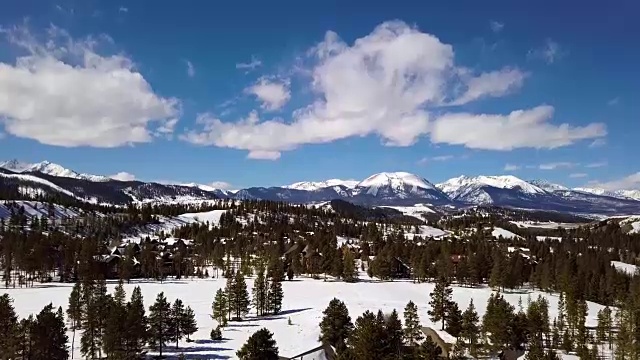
x=189, y=325
x=260, y=291
x=440, y=301
x=336, y=325
x=90, y=342
x=216, y=334
x=74, y=312
x=260, y=346
x=25, y=343
x=229, y=293
x=160, y=330
x=135, y=325
x=49, y=335
x=369, y=340
x=429, y=350
x=275, y=296
x=470, y=329
x=454, y=320
x=412, y=329
x=113, y=339
x=350, y=270
x=394, y=334
x=9, y=328
x=175, y=321
x=239, y=297
x=496, y=321
x=220, y=308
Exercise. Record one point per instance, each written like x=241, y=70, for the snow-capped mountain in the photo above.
x=548, y=186
x=404, y=187
x=483, y=190
x=316, y=185
x=622, y=194
x=48, y=168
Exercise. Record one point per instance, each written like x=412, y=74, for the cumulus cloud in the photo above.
x=630, y=182
x=519, y=129
x=123, y=176
x=550, y=52
x=511, y=167
x=392, y=84
x=578, y=175
x=496, y=26
x=273, y=94
x=251, y=65
x=491, y=84
x=191, y=71
x=556, y=165
x=62, y=92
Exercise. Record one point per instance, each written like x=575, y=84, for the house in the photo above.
x=322, y=352
x=400, y=270
x=442, y=339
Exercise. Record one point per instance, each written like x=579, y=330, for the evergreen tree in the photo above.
x=454, y=320
x=260, y=292
x=440, y=301
x=74, y=312
x=90, y=342
x=135, y=325
x=228, y=289
x=470, y=329
x=49, y=335
x=189, y=325
x=412, y=329
x=429, y=350
x=496, y=321
x=350, y=270
x=275, y=296
x=260, y=346
x=160, y=330
x=220, y=308
x=216, y=334
x=336, y=325
x=113, y=339
x=176, y=320
x=394, y=334
x=8, y=328
x=369, y=340
x=239, y=297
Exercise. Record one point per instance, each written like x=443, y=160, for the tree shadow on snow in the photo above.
x=189, y=351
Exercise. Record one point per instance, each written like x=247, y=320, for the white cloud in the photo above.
x=631, y=182
x=550, y=52
x=62, y=92
x=614, y=101
x=491, y=84
x=191, y=71
x=123, y=176
x=578, y=175
x=440, y=158
x=392, y=83
x=597, y=164
x=519, y=129
x=123, y=9
x=556, y=165
x=511, y=167
x=496, y=26
x=273, y=94
x=598, y=143
x=251, y=65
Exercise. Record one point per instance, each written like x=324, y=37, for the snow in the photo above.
x=625, y=268
x=304, y=301
x=634, y=221
x=546, y=238
x=416, y=210
x=316, y=185
x=620, y=194
x=445, y=336
x=49, y=168
x=455, y=185
x=545, y=225
x=548, y=186
x=426, y=232
x=395, y=180
x=213, y=217
x=39, y=209
x=36, y=179
x=506, y=234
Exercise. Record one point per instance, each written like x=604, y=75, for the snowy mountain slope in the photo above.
x=547, y=186
x=482, y=190
x=36, y=209
x=48, y=168
x=316, y=185
x=621, y=194
x=399, y=188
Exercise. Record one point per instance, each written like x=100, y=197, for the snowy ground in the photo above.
x=304, y=301
x=506, y=234
x=626, y=268
x=38, y=209
x=634, y=221
x=416, y=210
x=545, y=238
x=545, y=225
x=427, y=232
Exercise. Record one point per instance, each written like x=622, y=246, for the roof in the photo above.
x=443, y=335
x=322, y=352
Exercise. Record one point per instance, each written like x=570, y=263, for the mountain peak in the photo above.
x=395, y=180
x=315, y=185
x=49, y=168
x=547, y=185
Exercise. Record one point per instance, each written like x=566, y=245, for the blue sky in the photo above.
x=272, y=93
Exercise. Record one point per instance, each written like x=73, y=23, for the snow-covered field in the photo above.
x=545, y=225
x=506, y=234
x=416, y=210
x=624, y=267
x=634, y=221
x=38, y=209
x=426, y=232
x=304, y=301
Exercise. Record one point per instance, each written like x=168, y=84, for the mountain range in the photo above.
x=383, y=189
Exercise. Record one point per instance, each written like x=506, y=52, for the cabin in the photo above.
x=400, y=270
x=322, y=352
x=442, y=339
